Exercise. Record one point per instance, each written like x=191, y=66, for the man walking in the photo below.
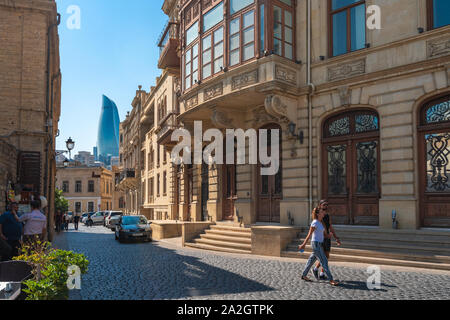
x=35, y=223
x=76, y=219
x=11, y=229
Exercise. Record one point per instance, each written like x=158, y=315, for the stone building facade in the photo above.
x=88, y=189
x=30, y=86
x=363, y=114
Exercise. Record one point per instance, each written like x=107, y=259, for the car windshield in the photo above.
x=133, y=220
x=115, y=214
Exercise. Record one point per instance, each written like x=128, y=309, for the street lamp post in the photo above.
x=70, y=144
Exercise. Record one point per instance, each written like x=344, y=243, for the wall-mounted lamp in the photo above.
x=322, y=58
x=299, y=136
x=420, y=30
x=367, y=45
x=224, y=69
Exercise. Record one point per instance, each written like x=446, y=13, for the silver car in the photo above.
x=96, y=218
x=109, y=221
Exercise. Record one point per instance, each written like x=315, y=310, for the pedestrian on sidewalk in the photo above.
x=35, y=223
x=76, y=219
x=66, y=221
x=11, y=229
x=329, y=232
x=58, y=220
x=317, y=231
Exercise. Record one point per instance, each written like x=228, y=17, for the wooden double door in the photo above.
x=229, y=195
x=351, y=167
x=270, y=189
x=434, y=162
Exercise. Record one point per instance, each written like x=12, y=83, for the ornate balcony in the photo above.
x=169, y=44
x=127, y=179
x=165, y=129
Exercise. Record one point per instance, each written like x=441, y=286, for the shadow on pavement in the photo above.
x=361, y=285
x=147, y=270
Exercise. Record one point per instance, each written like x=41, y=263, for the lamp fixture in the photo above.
x=300, y=136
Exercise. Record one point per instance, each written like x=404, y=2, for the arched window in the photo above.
x=434, y=161
x=350, y=149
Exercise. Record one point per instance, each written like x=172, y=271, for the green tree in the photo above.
x=61, y=203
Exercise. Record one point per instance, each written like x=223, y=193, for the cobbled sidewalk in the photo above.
x=160, y=270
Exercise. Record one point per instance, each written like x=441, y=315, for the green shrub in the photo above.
x=49, y=268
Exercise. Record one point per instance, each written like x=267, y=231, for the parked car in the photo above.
x=96, y=218
x=70, y=214
x=113, y=221
x=108, y=216
x=133, y=228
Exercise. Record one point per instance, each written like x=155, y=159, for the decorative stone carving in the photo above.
x=260, y=116
x=244, y=80
x=276, y=107
x=438, y=47
x=191, y=102
x=345, y=94
x=285, y=74
x=220, y=120
x=347, y=70
x=213, y=91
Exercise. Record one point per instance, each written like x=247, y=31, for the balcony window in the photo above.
x=191, y=66
x=283, y=32
x=438, y=12
x=212, y=56
x=236, y=5
x=213, y=17
x=242, y=38
x=348, y=24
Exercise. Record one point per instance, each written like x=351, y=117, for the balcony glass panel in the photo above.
x=234, y=42
x=277, y=47
x=249, y=51
x=236, y=5
x=192, y=33
x=288, y=2
x=234, y=57
x=288, y=19
x=213, y=17
x=218, y=64
x=288, y=51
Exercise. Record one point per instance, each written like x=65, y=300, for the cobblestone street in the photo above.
x=163, y=270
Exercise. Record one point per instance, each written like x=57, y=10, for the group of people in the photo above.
x=15, y=230
x=320, y=233
x=62, y=220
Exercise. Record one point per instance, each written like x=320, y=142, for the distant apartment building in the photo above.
x=85, y=157
x=87, y=189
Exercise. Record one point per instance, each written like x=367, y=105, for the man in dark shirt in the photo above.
x=11, y=229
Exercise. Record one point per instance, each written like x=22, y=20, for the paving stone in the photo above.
x=157, y=270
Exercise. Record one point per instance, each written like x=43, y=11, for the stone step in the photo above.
x=382, y=253
x=215, y=248
x=387, y=248
x=237, y=234
x=230, y=228
x=223, y=244
x=234, y=239
x=371, y=240
x=372, y=260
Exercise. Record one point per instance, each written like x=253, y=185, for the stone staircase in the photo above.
x=370, y=245
x=224, y=237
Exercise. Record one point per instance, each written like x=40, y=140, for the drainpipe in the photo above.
x=311, y=88
x=49, y=119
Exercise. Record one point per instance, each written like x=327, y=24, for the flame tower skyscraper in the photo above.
x=108, y=131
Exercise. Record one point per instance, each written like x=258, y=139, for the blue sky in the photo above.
x=112, y=53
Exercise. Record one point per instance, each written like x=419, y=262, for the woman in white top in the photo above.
x=317, y=232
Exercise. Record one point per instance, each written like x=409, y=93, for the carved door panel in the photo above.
x=434, y=163
x=205, y=191
x=365, y=184
x=229, y=191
